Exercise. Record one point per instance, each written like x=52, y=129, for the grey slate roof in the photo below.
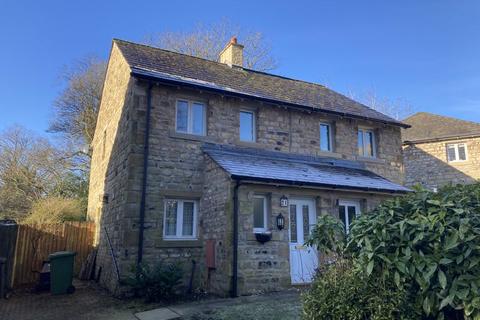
x=428, y=126
x=146, y=61
x=271, y=166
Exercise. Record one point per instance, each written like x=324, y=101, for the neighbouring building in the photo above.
x=225, y=169
x=439, y=150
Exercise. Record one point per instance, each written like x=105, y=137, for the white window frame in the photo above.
x=349, y=203
x=190, y=117
x=178, y=234
x=329, y=125
x=455, y=146
x=254, y=125
x=374, y=143
x=265, y=215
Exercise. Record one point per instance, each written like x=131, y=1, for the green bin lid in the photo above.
x=61, y=254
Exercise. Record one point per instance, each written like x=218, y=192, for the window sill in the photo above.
x=188, y=136
x=179, y=243
x=251, y=144
x=458, y=162
x=329, y=154
x=372, y=160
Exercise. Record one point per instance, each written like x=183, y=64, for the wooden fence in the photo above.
x=36, y=242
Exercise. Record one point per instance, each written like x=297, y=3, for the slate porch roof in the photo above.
x=290, y=169
x=427, y=127
x=180, y=69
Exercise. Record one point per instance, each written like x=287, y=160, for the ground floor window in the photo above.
x=348, y=210
x=180, y=219
x=259, y=213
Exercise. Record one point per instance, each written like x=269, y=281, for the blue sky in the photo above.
x=426, y=52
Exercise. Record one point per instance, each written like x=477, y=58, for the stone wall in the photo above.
x=216, y=224
x=110, y=165
x=426, y=164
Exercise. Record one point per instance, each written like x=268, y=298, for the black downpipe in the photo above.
x=235, y=241
x=146, y=149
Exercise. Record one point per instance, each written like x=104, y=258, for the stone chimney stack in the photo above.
x=232, y=54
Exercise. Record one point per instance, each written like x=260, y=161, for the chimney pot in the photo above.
x=232, y=54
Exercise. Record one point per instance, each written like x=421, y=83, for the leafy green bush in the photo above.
x=328, y=235
x=339, y=292
x=156, y=283
x=427, y=243
x=423, y=247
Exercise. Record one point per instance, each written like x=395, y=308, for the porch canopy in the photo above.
x=291, y=169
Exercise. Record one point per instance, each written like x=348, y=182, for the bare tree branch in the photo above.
x=207, y=41
x=396, y=108
x=76, y=108
x=31, y=168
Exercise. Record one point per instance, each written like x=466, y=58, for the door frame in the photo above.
x=298, y=201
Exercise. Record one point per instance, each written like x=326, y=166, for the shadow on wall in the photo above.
x=429, y=171
x=115, y=188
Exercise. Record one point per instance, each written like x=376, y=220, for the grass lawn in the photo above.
x=279, y=308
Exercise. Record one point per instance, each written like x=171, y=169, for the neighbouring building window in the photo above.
x=456, y=152
x=190, y=117
x=259, y=213
x=366, y=143
x=180, y=219
x=325, y=137
x=247, y=126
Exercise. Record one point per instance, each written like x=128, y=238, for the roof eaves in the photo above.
x=404, y=190
x=442, y=138
x=204, y=85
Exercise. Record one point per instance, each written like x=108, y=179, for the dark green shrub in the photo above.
x=424, y=248
x=156, y=283
x=428, y=244
x=328, y=235
x=339, y=292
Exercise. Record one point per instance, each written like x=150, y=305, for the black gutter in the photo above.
x=146, y=149
x=314, y=184
x=234, y=292
x=267, y=100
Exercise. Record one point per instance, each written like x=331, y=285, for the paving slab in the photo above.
x=158, y=314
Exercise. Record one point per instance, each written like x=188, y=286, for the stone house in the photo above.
x=439, y=150
x=224, y=169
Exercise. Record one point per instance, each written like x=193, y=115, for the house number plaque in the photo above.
x=283, y=201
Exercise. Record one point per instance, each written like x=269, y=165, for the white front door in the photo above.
x=348, y=210
x=303, y=259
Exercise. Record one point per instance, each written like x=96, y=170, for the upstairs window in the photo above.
x=456, y=152
x=259, y=213
x=190, y=117
x=247, y=126
x=180, y=219
x=325, y=137
x=366, y=143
